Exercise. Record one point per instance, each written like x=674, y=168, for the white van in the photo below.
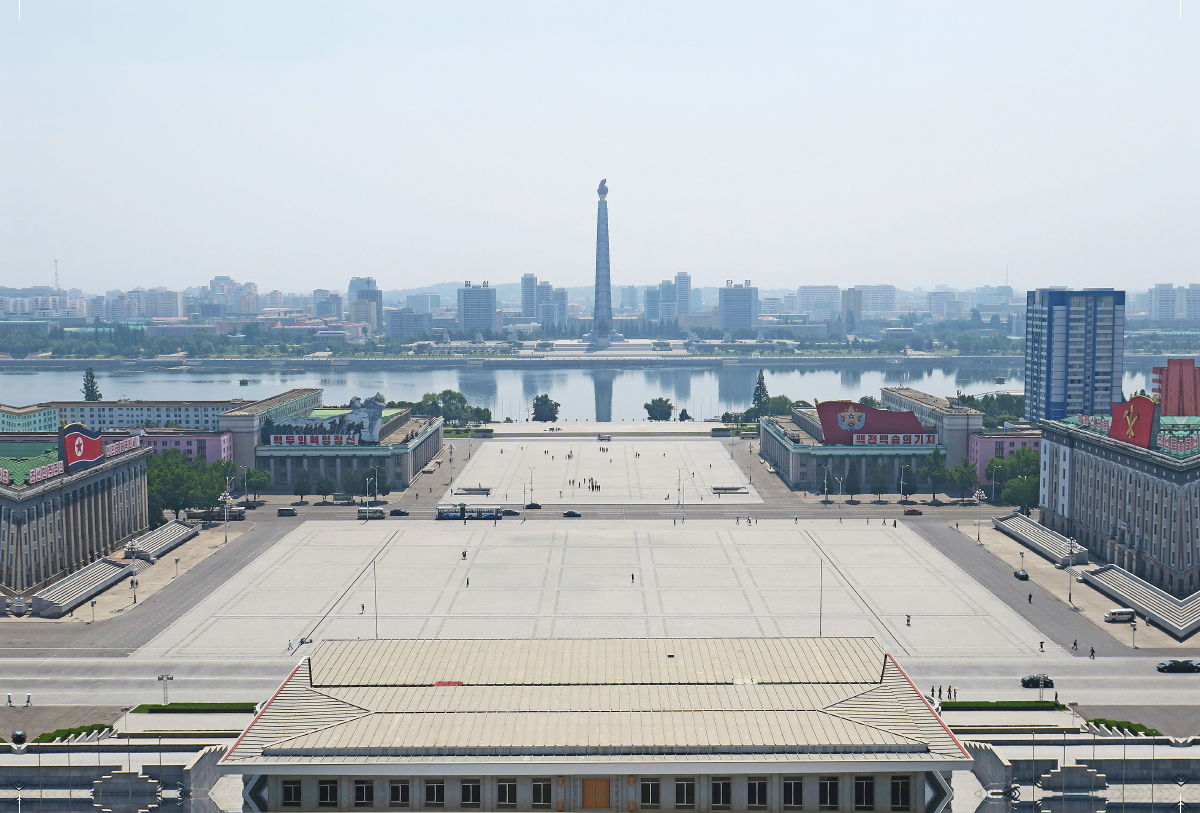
x=1119, y=615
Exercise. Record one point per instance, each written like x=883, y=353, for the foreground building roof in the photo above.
x=600, y=704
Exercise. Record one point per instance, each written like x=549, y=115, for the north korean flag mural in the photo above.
x=1135, y=421
x=81, y=447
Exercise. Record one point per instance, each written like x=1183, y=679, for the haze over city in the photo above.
x=162, y=144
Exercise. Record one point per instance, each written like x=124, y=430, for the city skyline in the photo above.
x=789, y=146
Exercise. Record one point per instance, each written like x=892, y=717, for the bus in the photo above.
x=471, y=511
x=370, y=513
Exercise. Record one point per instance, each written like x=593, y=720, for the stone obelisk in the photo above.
x=602, y=312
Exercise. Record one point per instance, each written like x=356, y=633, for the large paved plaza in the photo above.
x=641, y=472
x=590, y=579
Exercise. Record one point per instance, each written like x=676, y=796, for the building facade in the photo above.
x=209, y=446
x=246, y=421
x=737, y=306
x=953, y=424
x=1074, y=351
x=818, y=298
x=37, y=418
x=401, y=322
x=1134, y=502
x=53, y=522
x=124, y=413
x=477, y=309
x=1177, y=386
x=768, y=724
x=983, y=446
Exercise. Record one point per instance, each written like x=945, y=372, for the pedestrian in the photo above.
x=1031, y=598
x=1056, y=697
x=797, y=522
x=956, y=526
x=362, y=609
x=931, y=692
x=939, y=692
x=737, y=520
x=631, y=578
x=468, y=581
x=1092, y=654
x=908, y=620
x=1075, y=645
x=289, y=644
x=464, y=554
x=1041, y=646
x=893, y=523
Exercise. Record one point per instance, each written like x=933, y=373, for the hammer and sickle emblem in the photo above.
x=79, y=446
x=1131, y=416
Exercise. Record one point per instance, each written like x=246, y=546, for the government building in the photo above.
x=54, y=521
x=737, y=724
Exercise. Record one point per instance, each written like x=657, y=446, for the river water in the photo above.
x=585, y=393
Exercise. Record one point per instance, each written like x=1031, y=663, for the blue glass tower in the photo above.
x=602, y=312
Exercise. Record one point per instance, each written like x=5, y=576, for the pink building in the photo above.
x=194, y=444
x=983, y=446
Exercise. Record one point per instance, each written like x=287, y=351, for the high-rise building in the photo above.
x=477, y=309
x=629, y=297
x=667, y=302
x=877, y=299
x=1164, y=303
x=852, y=305
x=425, y=302
x=737, y=306
x=529, y=296
x=652, y=299
x=1178, y=387
x=553, y=311
x=772, y=305
x=1191, y=302
x=791, y=303
x=368, y=307
x=942, y=301
x=697, y=301
x=331, y=305
x=1074, y=351
x=683, y=294
x=818, y=298
x=359, y=284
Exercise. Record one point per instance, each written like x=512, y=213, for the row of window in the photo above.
x=399, y=793
x=720, y=793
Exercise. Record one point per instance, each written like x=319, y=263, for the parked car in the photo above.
x=1119, y=615
x=398, y=512
x=511, y=512
x=1179, y=666
x=912, y=512
x=1036, y=681
x=1021, y=575
x=533, y=505
x=285, y=512
x=572, y=514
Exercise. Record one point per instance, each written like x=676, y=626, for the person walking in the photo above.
x=1041, y=646
x=631, y=578
x=1031, y=598
x=908, y=620
x=468, y=581
x=1092, y=654
x=362, y=609
x=1075, y=645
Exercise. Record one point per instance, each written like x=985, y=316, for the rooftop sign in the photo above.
x=1135, y=421
x=842, y=420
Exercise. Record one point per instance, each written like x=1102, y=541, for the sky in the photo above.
x=297, y=144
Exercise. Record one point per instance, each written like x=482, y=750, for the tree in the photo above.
x=871, y=401
x=1023, y=463
x=172, y=480
x=379, y=483
x=301, y=484
x=325, y=486
x=853, y=485
x=353, y=481
x=879, y=483
x=934, y=472
x=760, y=398
x=779, y=405
x=1022, y=492
x=544, y=409
x=684, y=416
x=258, y=480
x=997, y=471
x=659, y=409
x=965, y=477
x=91, y=390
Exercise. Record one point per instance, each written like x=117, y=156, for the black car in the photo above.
x=398, y=512
x=1037, y=681
x=531, y=506
x=572, y=514
x=1179, y=666
x=511, y=512
x=1021, y=575
x=18, y=738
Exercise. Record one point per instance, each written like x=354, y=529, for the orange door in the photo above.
x=596, y=795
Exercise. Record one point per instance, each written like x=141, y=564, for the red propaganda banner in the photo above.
x=1134, y=421
x=842, y=420
x=314, y=440
x=81, y=447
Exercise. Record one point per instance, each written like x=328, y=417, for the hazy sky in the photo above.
x=298, y=144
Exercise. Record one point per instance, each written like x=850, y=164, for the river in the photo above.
x=585, y=393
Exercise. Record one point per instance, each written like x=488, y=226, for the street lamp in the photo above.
x=995, y=477
x=225, y=498
x=177, y=567
x=1133, y=629
x=979, y=495
x=902, y=468
x=839, y=482
x=825, y=482
x=163, y=680
x=93, y=611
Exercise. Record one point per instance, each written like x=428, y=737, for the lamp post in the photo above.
x=1133, y=629
x=177, y=567
x=93, y=611
x=979, y=496
x=825, y=483
x=225, y=498
x=839, y=482
x=902, y=468
x=995, y=477
x=163, y=679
